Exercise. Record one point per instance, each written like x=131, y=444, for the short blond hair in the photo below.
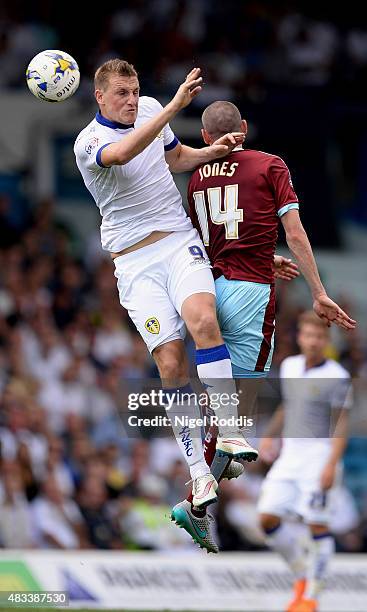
x=113, y=66
x=309, y=317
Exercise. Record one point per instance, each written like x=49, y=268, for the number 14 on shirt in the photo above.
x=221, y=212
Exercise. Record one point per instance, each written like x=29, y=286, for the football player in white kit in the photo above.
x=164, y=280
x=312, y=420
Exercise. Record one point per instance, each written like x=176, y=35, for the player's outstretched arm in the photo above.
x=183, y=158
x=299, y=244
x=119, y=153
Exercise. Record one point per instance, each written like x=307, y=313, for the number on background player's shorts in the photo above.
x=318, y=500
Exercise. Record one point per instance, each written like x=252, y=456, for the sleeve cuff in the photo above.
x=172, y=144
x=98, y=155
x=287, y=207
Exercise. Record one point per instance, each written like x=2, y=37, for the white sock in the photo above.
x=188, y=435
x=322, y=549
x=286, y=541
x=215, y=372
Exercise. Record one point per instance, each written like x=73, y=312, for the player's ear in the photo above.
x=244, y=126
x=205, y=136
x=99, y=96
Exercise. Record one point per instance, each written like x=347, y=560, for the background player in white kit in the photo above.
x=163, y=274
x=312, y=418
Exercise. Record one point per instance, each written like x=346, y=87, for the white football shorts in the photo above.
x=154, y=281
x=301, y=497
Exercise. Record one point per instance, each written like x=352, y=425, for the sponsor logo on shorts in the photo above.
x=152, y=325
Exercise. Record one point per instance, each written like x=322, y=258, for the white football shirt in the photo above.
x=139, y=197
x=308, y=398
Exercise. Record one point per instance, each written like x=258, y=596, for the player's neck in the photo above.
x=103, y=118
x=314, y=361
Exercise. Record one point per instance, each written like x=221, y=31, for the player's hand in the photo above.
x=225, y=144
x=188, y=90
x=330, y=312
x=285, y=268
x=327, y=476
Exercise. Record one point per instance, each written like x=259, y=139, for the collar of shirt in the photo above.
x=115, y=125
x=315, y=366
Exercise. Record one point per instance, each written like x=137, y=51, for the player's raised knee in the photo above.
x=205, y=326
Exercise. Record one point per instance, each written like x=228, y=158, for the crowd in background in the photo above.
x=243, y=46
x=296, y=70
x=70, y=477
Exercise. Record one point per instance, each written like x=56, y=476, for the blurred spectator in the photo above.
x=80, y=451
x=102, y=529
x=57, y=467
x=28, y=479
x=143, y=519
x=19, y=428
x=111, y=339
x=311, y=47
x=57, y=519
x=15, y=514
x=46, y=354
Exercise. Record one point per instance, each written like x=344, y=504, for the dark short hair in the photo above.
x=113, y=66
x=221, y=117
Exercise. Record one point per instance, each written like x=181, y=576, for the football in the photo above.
x=53, y=76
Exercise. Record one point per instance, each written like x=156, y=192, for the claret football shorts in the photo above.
x=154, y=281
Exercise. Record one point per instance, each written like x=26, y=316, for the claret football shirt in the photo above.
x=235, y=203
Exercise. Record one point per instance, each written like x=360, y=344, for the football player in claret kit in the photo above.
x=316, y=394
x=236, y=203
x=164, y=279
